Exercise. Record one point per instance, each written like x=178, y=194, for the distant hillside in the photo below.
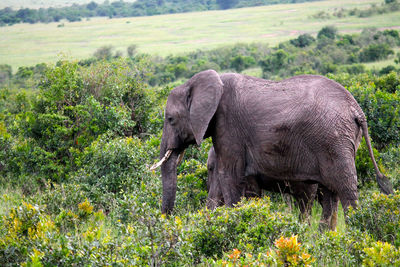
x=9, y=16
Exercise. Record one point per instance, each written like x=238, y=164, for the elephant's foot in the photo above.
x=333, y=223
x=212, y=204
x=324, y=225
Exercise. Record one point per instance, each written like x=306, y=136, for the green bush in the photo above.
x=23, y=228
x=252, y=226
x=388, y=83
x=382, y=110
x=327, y=32
x=5, y=147
x=303, y=40
x=344, y=249
x=375, y=52
x=58, y=197
x=378, y=215
x=365, y=167
x=287, y=252
x=74, y=106
x=381, y=254
x=240, y=63
x=192, y=186
x=28, y=165
x=115, y=166
x=192, y=178
x=29, y=236
x=391, y=160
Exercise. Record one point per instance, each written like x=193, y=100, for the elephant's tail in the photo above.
x=384, y=183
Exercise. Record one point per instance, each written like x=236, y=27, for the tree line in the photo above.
x=76, y=12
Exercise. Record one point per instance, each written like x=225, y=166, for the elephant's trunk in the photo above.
x=168, y=163
x=168, y=173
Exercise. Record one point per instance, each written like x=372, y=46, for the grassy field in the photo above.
x=16, y=4
x=25, y=44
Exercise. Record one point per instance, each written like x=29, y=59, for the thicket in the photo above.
x=120, y=8
x=76, y=141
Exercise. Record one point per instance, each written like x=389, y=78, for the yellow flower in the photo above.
x=86, y=207
x=235, y=254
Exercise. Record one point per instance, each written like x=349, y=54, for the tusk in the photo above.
x=164, y=159
x=179, y=160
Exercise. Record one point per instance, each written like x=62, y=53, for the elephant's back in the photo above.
x=291, y=121
x=298, y=96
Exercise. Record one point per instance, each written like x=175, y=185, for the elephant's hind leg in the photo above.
x=329, y=203
x=347, y=189
x=339, y=177
x=334, y=217
x=304, y=195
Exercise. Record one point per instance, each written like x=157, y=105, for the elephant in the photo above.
x=303, y=193
x=305, y=128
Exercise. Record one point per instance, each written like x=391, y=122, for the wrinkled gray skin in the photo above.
x=303, y=129
x=303, y=193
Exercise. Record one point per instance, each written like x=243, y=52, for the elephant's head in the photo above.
x=190, y=108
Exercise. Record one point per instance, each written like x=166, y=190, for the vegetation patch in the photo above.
x=77, y=138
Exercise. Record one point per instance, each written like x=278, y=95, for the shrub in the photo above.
x=303, y=40
x=192, y=178
x=104, y=52
x=375, y=52
x=287, y=252
x=378, y=215
x=391, y=160
x=382, y=254
x=388, y=83
x=365, y=167
x=387, y=70
x=382, y=111
x=252, y=226
x=5, y=147
x=31, y=165
x=240, y=63
x=290, y=252
x=115, y=166
x=275, y=62
x=192, y=185
x=327, y=32
x=23, y=227
x=342, y=248
x=73, y=107
x=58, y=197
x=29, y=236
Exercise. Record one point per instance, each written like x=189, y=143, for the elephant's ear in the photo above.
x=205, y=91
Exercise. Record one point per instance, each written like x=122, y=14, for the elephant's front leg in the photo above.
x=215, y=198
x=231, y=175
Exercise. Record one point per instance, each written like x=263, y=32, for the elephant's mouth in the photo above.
x=166, y=157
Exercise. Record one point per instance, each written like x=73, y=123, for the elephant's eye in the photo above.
x=170, y=120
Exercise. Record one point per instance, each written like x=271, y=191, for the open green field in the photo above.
x=25, y=44
x=16, y=4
